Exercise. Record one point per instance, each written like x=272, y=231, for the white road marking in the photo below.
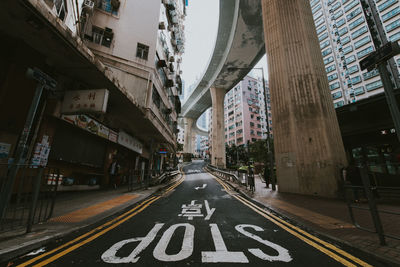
x=208, y=210
x=204, y=186
x=33, y=253
x=221, y=253
x=191, y=210
x=110, y=256
x=187, y=245
x=283, y=254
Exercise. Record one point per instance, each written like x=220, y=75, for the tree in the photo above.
x=179, y=147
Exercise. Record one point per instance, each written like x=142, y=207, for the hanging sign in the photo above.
x=87, y=101
x=130, y=142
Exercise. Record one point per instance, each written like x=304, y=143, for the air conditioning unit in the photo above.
x=161, y=25
x=88, y=4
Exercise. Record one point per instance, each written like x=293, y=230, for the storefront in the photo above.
x=370, y=138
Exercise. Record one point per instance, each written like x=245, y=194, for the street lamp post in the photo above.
x=270, y=155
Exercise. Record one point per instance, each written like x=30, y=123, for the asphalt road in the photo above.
x=196, y=222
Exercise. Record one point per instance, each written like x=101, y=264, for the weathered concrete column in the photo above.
x=309, y=149
x=218, y=133
x=187, y=146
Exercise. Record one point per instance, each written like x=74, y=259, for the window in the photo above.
x=332, y=77
x=386, y=4
x=350, y=59
x=109, y=6
x=337, y=95
x=339, y=104
x=374, y=85
x=391, y=14
x=365, y=52
x=251, y=124
x=369, y=75
x=393, y=25
x=61, y=8
x=330, y=68
x=359, y=32
x=359, y=90
x=362, y=41
x=356, y=23
x=142, y=51
x=353, y=14
x=352, y=69
x=102, y=36
x=334, y=86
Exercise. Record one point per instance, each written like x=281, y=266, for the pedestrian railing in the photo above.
x=224, y=174
x=143, y=178
x=27, y=195
x=371, y=194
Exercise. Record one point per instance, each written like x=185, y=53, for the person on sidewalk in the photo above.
x=266, y=176
x=113, y=171
x=251, y=177
x=352, y=175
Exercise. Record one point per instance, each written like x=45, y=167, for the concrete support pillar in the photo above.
x=309, y=149
x=218, y=131
x=188, y=145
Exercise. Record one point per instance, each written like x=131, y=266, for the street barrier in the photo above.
x=371, y=193
x=32, y=196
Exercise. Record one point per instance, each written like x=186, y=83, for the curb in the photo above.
x=17, y=251
x=327, y=237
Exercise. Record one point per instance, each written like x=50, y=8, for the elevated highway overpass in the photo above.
x=308, y=147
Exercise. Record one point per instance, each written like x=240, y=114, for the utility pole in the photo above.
x=385, y=51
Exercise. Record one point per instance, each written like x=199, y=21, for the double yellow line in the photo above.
x=332, y=251
x=95, y=233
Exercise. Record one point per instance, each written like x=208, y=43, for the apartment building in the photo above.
x=345, y=39
x=245, y=116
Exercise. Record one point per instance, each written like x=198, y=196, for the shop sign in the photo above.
x=4, y=150
x=130, y=142
x=88, y=124
x=41, y=152
x=113, y=136
x=163, y=151
x=79, y=101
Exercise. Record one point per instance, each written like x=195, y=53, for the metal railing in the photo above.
x=143, y=178
x=371, y=193
x=32, y=196
x=226, y=175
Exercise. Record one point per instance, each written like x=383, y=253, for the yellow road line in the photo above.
x=144, y=205
x=82, y=236
x=283, y=224
x=63, y=253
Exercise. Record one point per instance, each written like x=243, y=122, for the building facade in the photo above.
x=345, y=39
x=126, y=53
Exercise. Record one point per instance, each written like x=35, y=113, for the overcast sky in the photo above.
x=201, y=27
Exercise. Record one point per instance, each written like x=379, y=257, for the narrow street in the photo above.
x=196, y=221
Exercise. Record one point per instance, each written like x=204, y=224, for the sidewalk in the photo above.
x=330, y=217
x=73, y=211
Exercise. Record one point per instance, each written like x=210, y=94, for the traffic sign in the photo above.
x=382, y=54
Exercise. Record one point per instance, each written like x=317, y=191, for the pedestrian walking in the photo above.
x=113, y=171
x=266, y=176
x=351, y=174
x=251, y=177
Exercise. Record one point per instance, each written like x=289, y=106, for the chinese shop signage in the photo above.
x=87, y=101
x=130, y=142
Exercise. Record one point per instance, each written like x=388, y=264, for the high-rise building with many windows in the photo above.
x=245, y=116
x=345, y=39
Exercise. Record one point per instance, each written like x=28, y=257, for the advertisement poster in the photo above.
x=4, y=150
x=41, y=152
